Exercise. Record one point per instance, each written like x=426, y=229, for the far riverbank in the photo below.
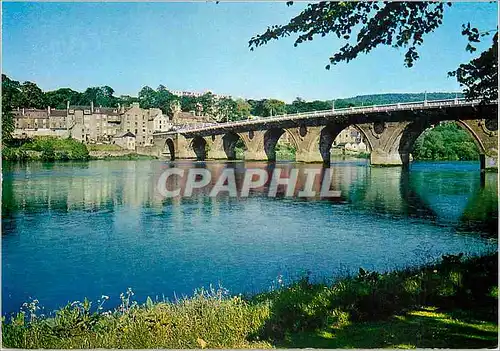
x=54, y=149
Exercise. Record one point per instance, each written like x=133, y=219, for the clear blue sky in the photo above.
x=200, y=46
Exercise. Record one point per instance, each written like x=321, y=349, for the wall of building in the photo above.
x=90, y=124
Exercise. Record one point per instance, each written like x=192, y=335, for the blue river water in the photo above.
x=75, y=230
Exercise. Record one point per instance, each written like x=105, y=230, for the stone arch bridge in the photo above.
x=389, y=131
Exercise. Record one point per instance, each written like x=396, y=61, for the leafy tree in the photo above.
x=226, y=109
x=7, y=124
x=188, y=103
x=243, y=109
x=11, y=98
x=267, y=107
x=147, y=97
x=60, y=97
x=100, y=96
x=446, y=141
x=164, y=98
x=208, y=104
x=366, y=25
x=256, y=107
x=127, y=100
x=480, y=76
x=273, y=107
x=31, y=96
x=105, y=97
x=11, y=93
x=298, y=105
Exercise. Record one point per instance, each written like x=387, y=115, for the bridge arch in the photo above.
x=170, y=149
x=405, y=143
x=199, y=146
x=229, y=143
x=330, y=132
x=271, y=138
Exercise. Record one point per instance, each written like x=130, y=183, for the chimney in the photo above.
x=23, y=111
x=92, y=106
x=67, y=105
x=48, y=109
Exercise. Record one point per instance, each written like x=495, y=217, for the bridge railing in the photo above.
x=335, y=112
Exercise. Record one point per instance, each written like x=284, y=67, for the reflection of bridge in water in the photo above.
x=389, y=131
x=464, y=199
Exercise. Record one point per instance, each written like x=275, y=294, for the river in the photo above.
x=86, y=229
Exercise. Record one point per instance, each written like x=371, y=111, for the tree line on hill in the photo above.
x=29, y=95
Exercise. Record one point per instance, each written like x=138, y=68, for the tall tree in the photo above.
x=365, y=25
x=226, y=110
x=31, y=96
x=105, y=97
x=164, y=98
x=480, y=76
x=11, y=98
x=243, y=109
x=59, y=98
x=11, y=93
x=188, y=103
x=208, y=103
x=147, y=97
x=273, y=107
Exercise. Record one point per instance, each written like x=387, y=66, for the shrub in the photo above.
x=47, y=149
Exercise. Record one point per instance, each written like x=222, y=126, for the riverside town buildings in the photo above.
x=91, y=124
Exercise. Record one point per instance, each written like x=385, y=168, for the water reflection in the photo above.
x=445, y=195
x=72, y=230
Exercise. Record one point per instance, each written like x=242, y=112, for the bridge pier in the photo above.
x=215, y=148
x=380, y=157
x=490, y=163
x=254, y=143
x=485, y=135
x=306, y=140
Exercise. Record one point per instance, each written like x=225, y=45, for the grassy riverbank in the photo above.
x=56, y=149
x=46, y=149
x=449, y=304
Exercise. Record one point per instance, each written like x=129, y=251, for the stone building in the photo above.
x=140, y=122
x=161, y=123
x=350, y=140
x=91, y=124
x=125, y=140
x=36, y=122
x=348, y=135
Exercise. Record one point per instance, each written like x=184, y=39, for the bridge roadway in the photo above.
x=389, y=131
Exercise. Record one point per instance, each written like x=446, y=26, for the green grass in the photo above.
x=104, y=147
x=131, y=156
x=46, y=149
x=285, y=152
x=422, y=328
x=453, y=303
